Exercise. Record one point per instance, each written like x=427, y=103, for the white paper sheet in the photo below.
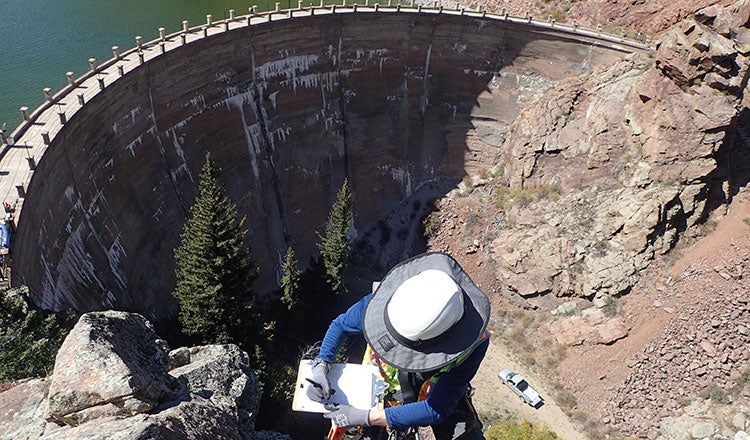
x=355, y=385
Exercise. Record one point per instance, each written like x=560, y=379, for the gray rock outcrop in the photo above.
x=610, y=169
x=115, y=379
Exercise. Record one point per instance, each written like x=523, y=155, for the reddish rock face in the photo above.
x=394, y=102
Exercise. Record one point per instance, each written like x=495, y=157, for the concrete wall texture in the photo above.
x=288, y=108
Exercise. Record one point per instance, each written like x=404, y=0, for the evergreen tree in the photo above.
x=290, y=280
x=213, y=268
x=334, y=246
x=29, y=339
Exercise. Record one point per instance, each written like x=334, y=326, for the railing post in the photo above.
x=101, y=83
x=32, y=163
x=47, y=94
x=25, y=113
x=80, y=98
x=162, y=34
x=63, y=119
x=116, y=52
x=185, y=25
x=21, y=192
x=231, y=14
x=71, y=78
x=209, y=20
x=139, y=42
x=92, y=64
x=45, y=137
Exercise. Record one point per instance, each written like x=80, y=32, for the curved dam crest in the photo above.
x=401, y=101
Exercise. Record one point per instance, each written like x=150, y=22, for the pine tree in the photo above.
x=213, y=268
x=290, y=280
x=334, y=246
x=29, y=339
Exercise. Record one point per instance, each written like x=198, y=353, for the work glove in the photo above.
x=320, y=389
x=345, y=415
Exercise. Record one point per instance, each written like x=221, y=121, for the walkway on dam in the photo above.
x=23, y=149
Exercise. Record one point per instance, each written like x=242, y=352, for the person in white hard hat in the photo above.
x=426, y=326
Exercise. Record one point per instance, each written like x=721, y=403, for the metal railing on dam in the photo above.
x=290, y=101
x=20, y=150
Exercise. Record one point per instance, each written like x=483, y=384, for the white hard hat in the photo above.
x=426, y=305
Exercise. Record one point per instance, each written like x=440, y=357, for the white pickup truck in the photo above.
x=518, y=385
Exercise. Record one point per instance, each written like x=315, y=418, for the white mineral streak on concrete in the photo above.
x=424, y=100
x=115, y=125
x=327, y=119
x=376, y=53
x=224, y=77
x=400, y=175
x=287, y=67
x=184, y=122
x=74, y=269
x=272, y=98
x=131, y=146
x=94, y=207
x=232, y=91
x=327, y=80
x=459, y=48
x=157, y=214
x=338, y=56
x=114, y=254
x=453, y=108
x=180, y=152
x=134, y=114
x=331, y=55
x=69, y=193
x=198, y=101
x=251, y=139
x=282, y=133
x=109, y=163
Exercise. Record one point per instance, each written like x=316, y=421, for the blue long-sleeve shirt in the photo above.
x=444, y=395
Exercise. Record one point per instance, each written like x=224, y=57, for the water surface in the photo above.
x=41, y=40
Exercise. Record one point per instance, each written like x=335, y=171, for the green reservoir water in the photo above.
x=40, y=40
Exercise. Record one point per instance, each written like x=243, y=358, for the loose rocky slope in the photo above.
x=600, y=179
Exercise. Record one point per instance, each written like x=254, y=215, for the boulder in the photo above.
x=111, y=364
x=222, y=374
x=112, y=381
x=22, y=410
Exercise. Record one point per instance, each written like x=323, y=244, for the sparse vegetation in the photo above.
x=505, y=197
x=523, y=430
x=431, y=223
x=29, y=339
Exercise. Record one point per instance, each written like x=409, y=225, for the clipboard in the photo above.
x=355, y=384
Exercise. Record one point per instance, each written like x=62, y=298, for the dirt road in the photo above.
x=492, y=397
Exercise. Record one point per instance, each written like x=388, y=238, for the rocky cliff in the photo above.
x=115, y=379
x=606, y=171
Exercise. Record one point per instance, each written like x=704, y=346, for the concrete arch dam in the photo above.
x=289, y=104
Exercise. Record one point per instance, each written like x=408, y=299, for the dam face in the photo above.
x=394, y=101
